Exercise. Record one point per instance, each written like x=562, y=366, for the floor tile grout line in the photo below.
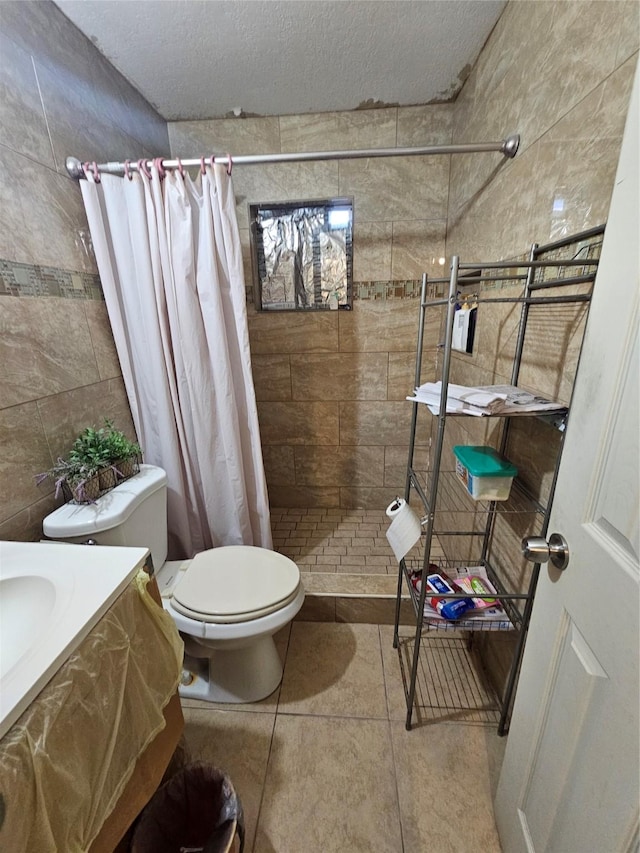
x=390, y=732
x=273, y=731
x=264, y=783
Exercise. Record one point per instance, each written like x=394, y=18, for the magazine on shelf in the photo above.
x=483, y=400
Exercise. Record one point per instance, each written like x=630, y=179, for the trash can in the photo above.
x=196, y=811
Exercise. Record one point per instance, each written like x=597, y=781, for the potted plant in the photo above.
x=99, y=459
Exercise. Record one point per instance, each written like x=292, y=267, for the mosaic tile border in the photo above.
x=24, y=280
x=374, y=290
x=383, y=290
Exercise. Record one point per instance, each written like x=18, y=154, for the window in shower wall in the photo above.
x=302, y=254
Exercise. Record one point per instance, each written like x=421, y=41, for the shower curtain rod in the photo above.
x=508, y=147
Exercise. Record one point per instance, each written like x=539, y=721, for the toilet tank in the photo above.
x=132, y=514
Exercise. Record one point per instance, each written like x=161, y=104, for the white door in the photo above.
x=569, y=781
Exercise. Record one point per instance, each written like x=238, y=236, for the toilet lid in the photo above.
x=236, y=583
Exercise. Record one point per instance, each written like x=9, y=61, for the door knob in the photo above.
x=538, y=550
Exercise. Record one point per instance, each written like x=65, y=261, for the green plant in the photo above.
x=98, y=460
x=103, y=447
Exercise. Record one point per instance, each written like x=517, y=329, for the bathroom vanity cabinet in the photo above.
x=91, y=748
x=550, y=292
x=147, y=773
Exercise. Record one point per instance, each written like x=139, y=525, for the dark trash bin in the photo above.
x=196, y=810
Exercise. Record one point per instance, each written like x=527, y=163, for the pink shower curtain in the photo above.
x=168, y=253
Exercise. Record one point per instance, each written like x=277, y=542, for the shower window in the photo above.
x=302, y=255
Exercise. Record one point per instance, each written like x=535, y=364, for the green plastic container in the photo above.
x=484, y=473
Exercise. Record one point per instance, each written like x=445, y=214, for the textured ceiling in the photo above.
x=199, y=59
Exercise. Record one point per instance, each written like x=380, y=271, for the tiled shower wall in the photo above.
x=560, y=73
x=58, y=368
x=331, y=386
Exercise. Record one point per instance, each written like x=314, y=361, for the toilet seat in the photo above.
x=236, y=583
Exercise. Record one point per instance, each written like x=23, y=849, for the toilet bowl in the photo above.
x=227, y=602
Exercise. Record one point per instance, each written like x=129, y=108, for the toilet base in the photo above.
x=240, y=675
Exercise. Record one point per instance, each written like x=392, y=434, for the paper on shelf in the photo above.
x=483, y=400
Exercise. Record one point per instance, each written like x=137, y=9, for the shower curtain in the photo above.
x=168, y=253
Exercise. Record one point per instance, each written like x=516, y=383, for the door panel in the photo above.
x=570, y=780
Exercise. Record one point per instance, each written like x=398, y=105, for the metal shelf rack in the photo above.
x=448, y=656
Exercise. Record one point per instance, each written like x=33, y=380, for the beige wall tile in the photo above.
x=418, y=247
x=56, y=351
x=276, y=182
x=397, y=188
x=24, y=453
x=374, y=423
x=339, y=376
x=221, y=136
x=577, y=53
x=339, y=131
x=371, y=250
x=293, y=331
x=368, y=497
x=298, y=423
x=66, y=414
x=79, y=121
x=42, y=213
x=317, y=609
x=247, y=259
x=279, y=465
x=26, y=525
x=479, y=229
x=339, y=466
x=303, y=497
x=45, y=348
x=271, y=377
x=401, y=374
x=402, y=370
x=383, y=326
x=425, y=125
x=629, y=34
x=395, y=465
x=372, y=611
x=102, y=339
x=22, y=123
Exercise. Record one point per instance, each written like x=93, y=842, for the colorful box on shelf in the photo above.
x=484, y=473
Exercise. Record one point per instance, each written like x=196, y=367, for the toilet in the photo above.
x=227, y=602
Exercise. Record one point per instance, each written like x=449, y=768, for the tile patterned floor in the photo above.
x=350, y=541
x=325, y=765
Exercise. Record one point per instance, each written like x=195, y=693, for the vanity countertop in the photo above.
x=51, y=595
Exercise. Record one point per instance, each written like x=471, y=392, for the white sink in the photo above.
x=51, y=596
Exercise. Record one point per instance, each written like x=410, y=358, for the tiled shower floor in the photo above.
x=344, y=541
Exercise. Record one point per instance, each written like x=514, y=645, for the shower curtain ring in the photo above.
x=142, y=167
x=213, y=160
x=203, y=168
x=96, y=173
x=161, y=169
x=229, y=164
x=126, y=170
x=180, y=168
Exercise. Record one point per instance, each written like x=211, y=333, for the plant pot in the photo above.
x=125, y=468
x=83, y=493
x=108, y=479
